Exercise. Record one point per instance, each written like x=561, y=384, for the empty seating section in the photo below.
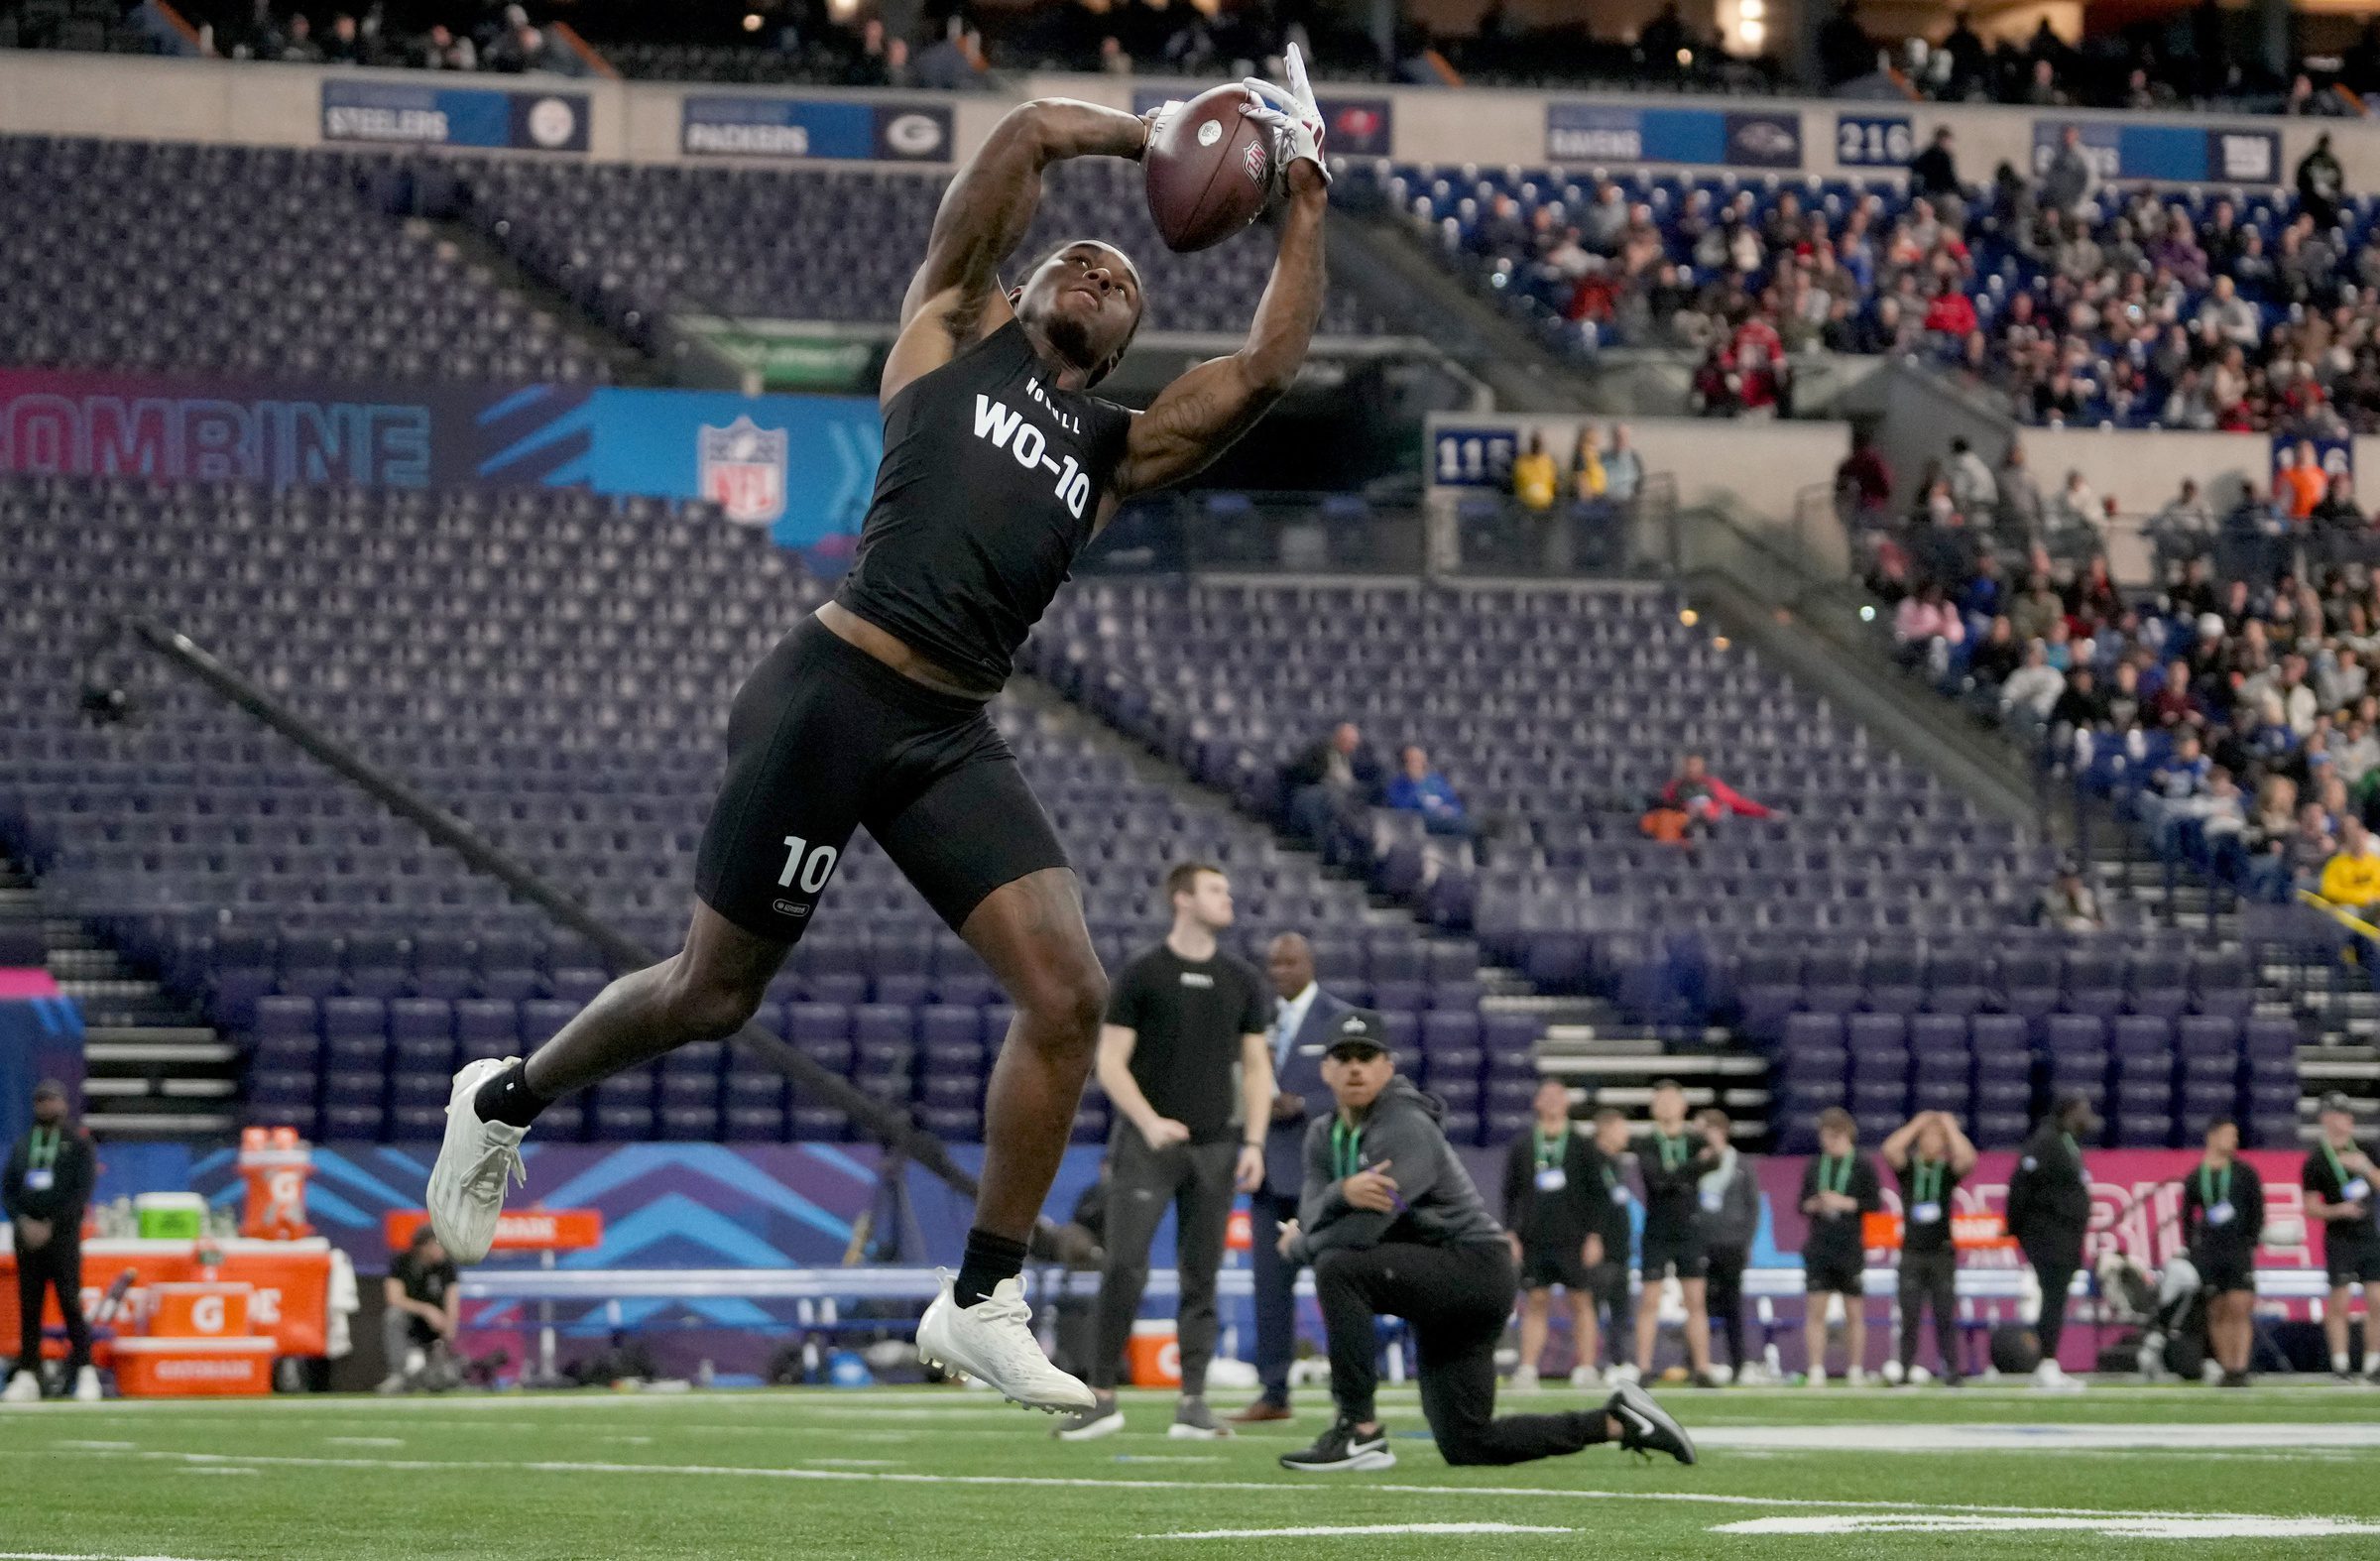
x=633, y=242
x=1877, y=898
x=244, y=260
x=555, y=667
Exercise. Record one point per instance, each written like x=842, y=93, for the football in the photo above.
x=1209, y=168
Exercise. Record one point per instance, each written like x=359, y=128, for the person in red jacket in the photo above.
x=1951, y=313
x=1704, y=798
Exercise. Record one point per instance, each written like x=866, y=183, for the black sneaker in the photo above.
x=1645, y=1427
x=2234, y=1380
x=1342, y=1447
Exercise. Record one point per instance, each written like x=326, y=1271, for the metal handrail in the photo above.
x=893, y=1127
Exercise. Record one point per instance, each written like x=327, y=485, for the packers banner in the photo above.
x=803, y=467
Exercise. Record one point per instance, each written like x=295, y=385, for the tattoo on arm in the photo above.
x=988, y=209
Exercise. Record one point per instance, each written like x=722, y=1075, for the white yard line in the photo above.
x=1985, y=1437
x=78, y=1555
x=2135, y=1525
x=1045, y=1481
x=1362, y=1528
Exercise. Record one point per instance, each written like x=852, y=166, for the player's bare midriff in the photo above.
x=896, y=652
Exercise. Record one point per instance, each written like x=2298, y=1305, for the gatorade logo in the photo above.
x=240, y=1368
x=206, y=1314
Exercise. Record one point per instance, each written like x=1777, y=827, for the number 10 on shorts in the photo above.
x=804, y=868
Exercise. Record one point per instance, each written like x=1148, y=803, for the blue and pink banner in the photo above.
x=803, y=467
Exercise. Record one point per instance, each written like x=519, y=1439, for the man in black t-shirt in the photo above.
x=1931, y=1156
x=1839, y=1190
x=2340, y=1182
x=2049, y=1211
x=2223, y=1219
x=1181, y=1017
x=1672, y=1160
x=1551, y=1186
x=424, y=1305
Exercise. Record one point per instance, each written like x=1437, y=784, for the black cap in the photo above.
x=1358, y=1033
x=50, y=1089
x=2073, y=1101
x=2337, y=1101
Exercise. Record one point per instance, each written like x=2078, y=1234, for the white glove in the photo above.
x=1292, y=115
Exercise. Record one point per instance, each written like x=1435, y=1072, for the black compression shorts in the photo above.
x=1681, y=1253
x=825, y=738
x=1544, y=1264
x=2223, y=1271
x=1832, y=1274
x=2355, y=1261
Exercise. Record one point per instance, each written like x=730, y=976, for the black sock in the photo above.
x=989, y=1258
x=507, y=1097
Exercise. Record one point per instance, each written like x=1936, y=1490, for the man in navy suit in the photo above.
x=1301, y=1029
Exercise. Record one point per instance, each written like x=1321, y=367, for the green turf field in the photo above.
x=2183, y=1471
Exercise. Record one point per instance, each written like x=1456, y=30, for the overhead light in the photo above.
x=1752, y=10
x=1752, y=32
x=751, y=21
x=1686, y=616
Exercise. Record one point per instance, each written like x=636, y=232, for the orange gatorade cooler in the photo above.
x=194, y=1368
x=200, y=1311
x=1154, y=1355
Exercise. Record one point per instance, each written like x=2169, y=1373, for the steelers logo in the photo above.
x=552, y=122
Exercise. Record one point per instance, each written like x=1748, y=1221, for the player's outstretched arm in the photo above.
x=1196, y=418
x=987, y=208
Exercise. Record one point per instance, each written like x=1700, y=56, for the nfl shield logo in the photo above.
x=743, y=470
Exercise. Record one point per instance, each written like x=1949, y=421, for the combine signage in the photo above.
x=743, y=452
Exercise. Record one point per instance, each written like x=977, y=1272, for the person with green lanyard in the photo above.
x=1551, y=1181
x=1839, y=1189
x=1672, y=1160
x=1932, y=1158
x=1394, y=1227
x=43, y=1191
x=2223, y=1219
x=2340, y=1182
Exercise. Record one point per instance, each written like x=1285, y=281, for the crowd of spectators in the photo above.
x=2129, y=311
x=1328, y=789
x=2231, y=708
x=2200, y=56
x=1744, y=282
x=462, y=34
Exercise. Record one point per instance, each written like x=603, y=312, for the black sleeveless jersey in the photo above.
x=990, y=486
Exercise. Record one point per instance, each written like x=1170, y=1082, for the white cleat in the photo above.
x=477, y=1158
x=23, y=1388
x=86, y=1386
x=992, y=1342
x=2050, y=1377
x=1524, y=1380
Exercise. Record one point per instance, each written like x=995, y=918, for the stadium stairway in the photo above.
x=1587, y=1041
x=154, y=1068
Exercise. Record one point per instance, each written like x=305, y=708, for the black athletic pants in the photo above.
x=2054, y=1261
x=1723, y=1295
x=1930, y=1278
x=1456, y=1299
x=1276, y=1292
x=1195, y=1179
x=58, y=1263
